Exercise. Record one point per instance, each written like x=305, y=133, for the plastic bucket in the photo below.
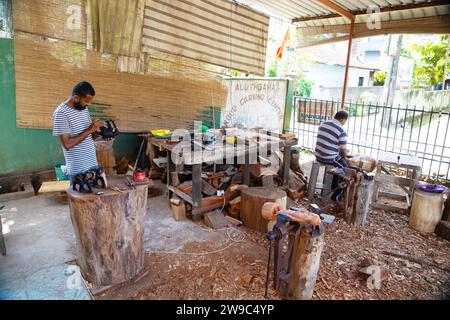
x=60, y=174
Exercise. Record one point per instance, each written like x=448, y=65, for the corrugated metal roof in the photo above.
x=312, y=9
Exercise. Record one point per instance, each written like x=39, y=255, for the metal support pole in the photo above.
x=347, y=65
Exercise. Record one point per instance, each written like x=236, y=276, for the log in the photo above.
x=109, y=231
x=306, y=264
x=252, y=201
x=443, y=229
x=358, y=215
x=446, y=212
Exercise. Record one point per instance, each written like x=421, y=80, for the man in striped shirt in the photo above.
x=331, y=145
x=73, y=125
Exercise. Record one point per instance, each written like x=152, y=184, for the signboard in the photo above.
x=255, y=103
x=315, y=111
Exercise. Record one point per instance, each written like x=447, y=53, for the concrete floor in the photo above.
x=39, y=242
x=41, y=245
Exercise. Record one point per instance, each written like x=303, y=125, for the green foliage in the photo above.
x=304, y=88
x=361, y=110
x=272, y=72
x=429, y=69
x=379, y=78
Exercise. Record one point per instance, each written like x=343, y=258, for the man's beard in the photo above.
x=79, y=106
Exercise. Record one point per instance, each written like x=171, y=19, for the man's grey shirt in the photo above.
x=67, y=120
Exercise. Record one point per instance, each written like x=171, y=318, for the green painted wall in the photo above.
x=24, y=150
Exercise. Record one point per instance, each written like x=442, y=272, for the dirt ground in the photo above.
x=232, y=265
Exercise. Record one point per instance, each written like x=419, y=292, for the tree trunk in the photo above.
x=109, y=229
x=361, y=206
x=252, y=201
x=306, y=264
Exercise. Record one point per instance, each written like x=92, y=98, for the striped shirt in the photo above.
x=330, y=138
x=67, y=120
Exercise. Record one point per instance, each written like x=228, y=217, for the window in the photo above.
x=361, y=81
x=6, y=30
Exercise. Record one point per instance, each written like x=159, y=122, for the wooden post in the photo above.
x=252, y=201
x=347, y=64
x=197, y=186
x=109, y=230
x=360, y=206
x=306, y=264
x=286, y=164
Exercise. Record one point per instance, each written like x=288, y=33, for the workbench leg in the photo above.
x=169, y=167
x=376, y=186
x=246, y=177
x=286, y=164
x=196, y=186
x=327, y=182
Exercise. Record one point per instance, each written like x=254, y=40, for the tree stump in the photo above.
x=109, y=229
x=306, y=264
x=360, y=208
x=252, y=201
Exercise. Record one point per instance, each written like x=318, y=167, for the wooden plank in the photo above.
x=339, y=10
x=216, y=220
x=389, y=208
x=395, y=196
x=233, y=221
x=400, y=181
x=181, y=194
x=54, y=186
x=403, y=161
x=208, y=189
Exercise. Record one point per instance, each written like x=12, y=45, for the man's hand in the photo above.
x=69, y=142
x=96, y=125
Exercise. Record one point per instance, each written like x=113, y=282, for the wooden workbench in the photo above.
x=388, y=164
x=217, y=153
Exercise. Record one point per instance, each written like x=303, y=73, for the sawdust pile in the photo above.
x=418, y=265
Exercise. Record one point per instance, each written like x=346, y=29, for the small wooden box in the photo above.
x=107, y=159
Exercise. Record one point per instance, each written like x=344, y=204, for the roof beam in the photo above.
x=339, y=10
x=434, y=3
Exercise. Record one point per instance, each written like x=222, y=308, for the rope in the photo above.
x=234, y=235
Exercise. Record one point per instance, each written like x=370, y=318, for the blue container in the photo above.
x=60, y=175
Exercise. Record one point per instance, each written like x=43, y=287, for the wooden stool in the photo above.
x=327, y=180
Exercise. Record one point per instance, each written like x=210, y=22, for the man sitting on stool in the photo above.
x=331, y=146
